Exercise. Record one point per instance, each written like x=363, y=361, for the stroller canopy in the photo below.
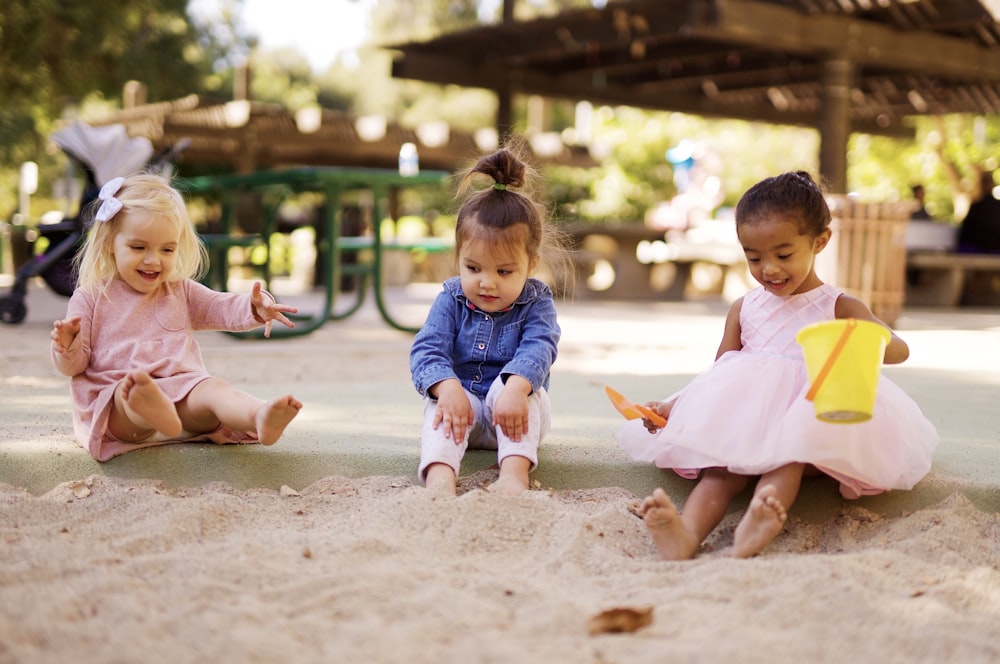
x=106, y=151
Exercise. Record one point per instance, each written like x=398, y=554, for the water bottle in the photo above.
x=409, y=161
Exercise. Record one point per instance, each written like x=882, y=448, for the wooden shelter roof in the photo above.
x=243, y=136
x=750, y=59
x=867, y=65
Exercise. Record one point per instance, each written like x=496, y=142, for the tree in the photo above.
x=55, y=54
x=946, y=156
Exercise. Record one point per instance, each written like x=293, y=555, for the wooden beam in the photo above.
x=592, y=87
x=448, y=70
x=865, y=43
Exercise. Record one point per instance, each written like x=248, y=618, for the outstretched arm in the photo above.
x=266, y=309
x=731, y=340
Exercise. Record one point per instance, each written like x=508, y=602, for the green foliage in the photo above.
x=946, y=156
x=57, y=56
x=56, y=51
x=636, y=175
x=283, y=77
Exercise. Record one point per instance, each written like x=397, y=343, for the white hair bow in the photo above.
x=110, y=206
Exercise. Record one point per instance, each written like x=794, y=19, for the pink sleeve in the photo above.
x=212, y=310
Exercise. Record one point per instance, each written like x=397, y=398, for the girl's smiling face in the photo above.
x=145, y=250
x=493, y=277
x=781, y=258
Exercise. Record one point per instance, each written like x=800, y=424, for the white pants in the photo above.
x=482, y=434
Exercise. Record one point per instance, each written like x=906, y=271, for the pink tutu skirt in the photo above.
x=748, y=414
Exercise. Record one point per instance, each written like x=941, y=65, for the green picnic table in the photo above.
x=332, y=183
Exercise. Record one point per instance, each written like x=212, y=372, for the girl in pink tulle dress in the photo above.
x=746, y=417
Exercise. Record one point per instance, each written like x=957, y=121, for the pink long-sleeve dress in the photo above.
x=748, y=411
x=125, y=330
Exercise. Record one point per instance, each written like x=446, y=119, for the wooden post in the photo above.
x=505, y=113
x=835, y=123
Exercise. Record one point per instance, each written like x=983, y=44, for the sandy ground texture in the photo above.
x=124, y=562
x=377, y=570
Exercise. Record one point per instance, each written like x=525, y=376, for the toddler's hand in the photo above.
x=662, y=409
x=453, y=410
x=64, y=332
x=511, y=410
x=268, y=310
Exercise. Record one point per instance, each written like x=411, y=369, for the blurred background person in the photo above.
x=980, y=230
x=919, y=212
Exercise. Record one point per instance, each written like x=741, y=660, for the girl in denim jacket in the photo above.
x=483, y=357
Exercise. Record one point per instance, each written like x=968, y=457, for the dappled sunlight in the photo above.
x=630, y=341
x=33, y=382
x=27, y=402
x=970, y=350
x=28, y=448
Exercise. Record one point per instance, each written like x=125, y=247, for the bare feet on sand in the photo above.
x=763, y=521
x=513, y=479
x=509, y=485
x=440, y=478
x=274, y=416
x=672, y=538
x=147, y=405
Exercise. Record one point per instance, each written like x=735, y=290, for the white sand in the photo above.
x=377, y=570
x=104, y=569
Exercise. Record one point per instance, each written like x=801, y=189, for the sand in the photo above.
x=104, y=567
x=378, y=570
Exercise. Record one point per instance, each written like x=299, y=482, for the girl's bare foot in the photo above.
x=509, y=485
x=147, y=406
x=763, y=521
x=513, y=480
x=672, y=538
x=441, y=479
x=272, y=418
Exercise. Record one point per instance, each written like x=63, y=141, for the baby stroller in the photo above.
x=103, y=153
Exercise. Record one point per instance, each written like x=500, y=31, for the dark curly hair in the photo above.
x=794, y=196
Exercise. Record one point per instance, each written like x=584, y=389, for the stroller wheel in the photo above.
x=12, y=310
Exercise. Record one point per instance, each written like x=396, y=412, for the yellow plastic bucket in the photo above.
x=844, y=360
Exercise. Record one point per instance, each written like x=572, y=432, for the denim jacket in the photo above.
x=463, y=342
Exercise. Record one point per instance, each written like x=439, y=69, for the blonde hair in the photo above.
x=153, y=194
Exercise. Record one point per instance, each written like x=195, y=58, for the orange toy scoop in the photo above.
x=633, y=411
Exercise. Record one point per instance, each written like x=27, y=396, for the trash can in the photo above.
x=22, y=244
x=866, y=256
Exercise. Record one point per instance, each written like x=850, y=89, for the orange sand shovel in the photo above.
x=633, y=411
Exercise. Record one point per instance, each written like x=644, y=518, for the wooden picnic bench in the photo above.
x=949, y=279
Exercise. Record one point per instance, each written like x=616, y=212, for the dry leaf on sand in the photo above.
x=621, y=619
